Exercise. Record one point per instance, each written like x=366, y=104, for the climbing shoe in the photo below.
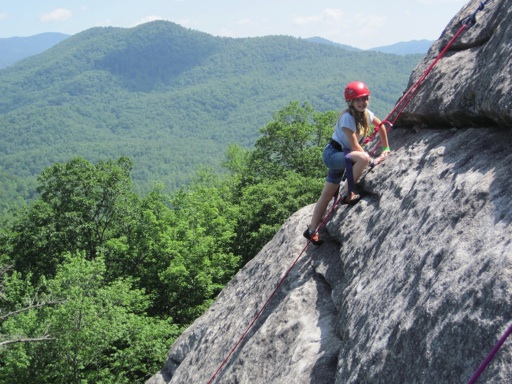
x=350, y=198
x=313, y=237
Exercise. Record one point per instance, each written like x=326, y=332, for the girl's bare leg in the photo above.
x=321, y=205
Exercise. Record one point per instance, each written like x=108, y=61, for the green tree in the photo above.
x=293, y=142
x=265, y=206
x=125, y=273
x=202, y=259
x=179, y=247
x=99, y=333
x=18, y=297
x=81, y=206
x=87, y=201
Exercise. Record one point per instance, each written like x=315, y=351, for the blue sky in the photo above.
x=359, y=23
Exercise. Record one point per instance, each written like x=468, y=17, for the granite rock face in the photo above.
x=426, y=289
x=414, y=283
x=470, y=86
x=293, y=341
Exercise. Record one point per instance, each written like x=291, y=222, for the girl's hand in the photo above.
x=383, y=156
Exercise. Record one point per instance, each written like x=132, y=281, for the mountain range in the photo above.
x=168, y=97
x=401, y=48
x=14, y=49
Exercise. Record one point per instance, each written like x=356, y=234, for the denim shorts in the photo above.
x=334, y=160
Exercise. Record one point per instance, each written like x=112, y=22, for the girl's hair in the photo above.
x=362, y=119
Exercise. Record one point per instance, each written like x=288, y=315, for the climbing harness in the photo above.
x=399, y=107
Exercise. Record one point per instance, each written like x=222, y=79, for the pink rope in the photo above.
x=490, y=356
x=408, y=96
x=257, y=316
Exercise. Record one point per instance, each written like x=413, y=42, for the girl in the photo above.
x=345, y=152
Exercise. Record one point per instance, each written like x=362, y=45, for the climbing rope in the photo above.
x=399, y=108
x=408, y=96
x=257, y=316
x=490, y=356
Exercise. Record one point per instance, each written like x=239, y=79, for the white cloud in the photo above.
x=370, y=20
x=305, y=20
x=332, y=23
x=332, y=14
x=59, y=14
x=3, y=16
x=327, y=16
x=246, y=23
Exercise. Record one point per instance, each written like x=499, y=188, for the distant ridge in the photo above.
x=406, y=47
x=402, y=48
x=14, y=49
x=321, y=40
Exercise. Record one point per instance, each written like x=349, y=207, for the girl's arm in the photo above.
x=383, y=141
x=382, y=134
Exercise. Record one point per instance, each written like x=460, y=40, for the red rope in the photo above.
x=490, y=356
x=257, y=316
x=408, y=96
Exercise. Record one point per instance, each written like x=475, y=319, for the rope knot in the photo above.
x=471, y=19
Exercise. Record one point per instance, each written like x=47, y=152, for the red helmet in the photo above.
x=356, y=89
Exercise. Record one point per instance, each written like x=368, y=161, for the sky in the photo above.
x=359, y=23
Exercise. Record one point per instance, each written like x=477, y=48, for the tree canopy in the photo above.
x=169, y=98
x=96, y=281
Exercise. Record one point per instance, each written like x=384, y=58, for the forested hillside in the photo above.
x=167, y=97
